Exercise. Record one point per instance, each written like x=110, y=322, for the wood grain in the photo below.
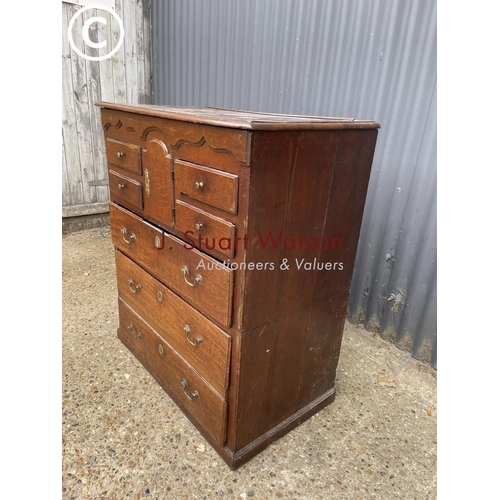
x=294, y=192
x=331, y=291
x=213, y=296
x=169, y=369
x=124, y=156
x=226, y=149
x=125, y=190
x=159, y=189
x=245, y=120
x=169, y=315
x=204, y=230
x=219, y=189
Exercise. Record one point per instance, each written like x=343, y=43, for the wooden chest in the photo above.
x=235, y=236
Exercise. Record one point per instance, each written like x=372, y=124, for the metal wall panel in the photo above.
x=358, y=58
x=125, y=77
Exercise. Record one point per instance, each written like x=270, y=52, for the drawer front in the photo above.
x=204, y=230
x=213, y=187
x=125, y=190
x=205, y=346
x=123, y=155
x=202, y=281
x=174, y=374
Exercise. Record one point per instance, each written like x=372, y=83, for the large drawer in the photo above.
x=201, y=280
x=173, y=373
x=204, y=345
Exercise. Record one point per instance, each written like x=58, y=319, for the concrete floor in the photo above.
x=124, y=438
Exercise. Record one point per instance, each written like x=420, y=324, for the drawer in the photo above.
x=204, y=282
x=204, y=345
x=204, y=230
x=123, y=155
x=174, y=374
x=213, y=187
x=124, y=189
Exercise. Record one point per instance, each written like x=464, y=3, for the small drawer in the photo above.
x=204, y=230
x=204, y=345
x=213, y=187
x=174, y=374
x=124, y=189
x=198, y=278
x=123, y=155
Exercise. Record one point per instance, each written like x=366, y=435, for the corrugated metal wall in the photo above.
x=367, y=59
x=125, y=77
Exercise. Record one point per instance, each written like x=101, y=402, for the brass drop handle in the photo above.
x=122, y=186
x=134, y=288
x=197, y=279
x=198, y=185
x=198, y=340
x=191, y=395
x=199, y=226
x=127, y=239
x=131, y=328
x=119, y=154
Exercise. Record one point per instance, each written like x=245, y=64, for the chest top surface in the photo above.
x=248, y=120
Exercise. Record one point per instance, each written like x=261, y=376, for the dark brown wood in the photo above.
x=242, y=119
x=213, y=187
x=204, y=345
x=273, y=154
x=123, y=155
x=307, y=200
x=204, y=230
x=212, y=296
x=222, y=148
x=125, y=190
x=343, y=220
x=158, y=185
x=206, y=406
x=243, y=455
x=286, y=194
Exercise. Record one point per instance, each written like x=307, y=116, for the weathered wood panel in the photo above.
x=125, y=77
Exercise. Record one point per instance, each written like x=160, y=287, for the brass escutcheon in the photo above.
x=146, y=181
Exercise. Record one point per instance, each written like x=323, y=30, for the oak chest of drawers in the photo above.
x=235, y=236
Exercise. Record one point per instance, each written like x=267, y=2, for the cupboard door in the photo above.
x=157, y=180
